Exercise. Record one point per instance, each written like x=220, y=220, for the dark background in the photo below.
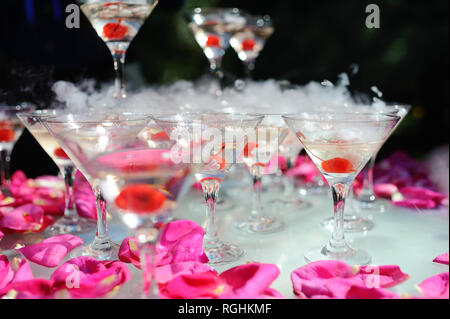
x=407, y=58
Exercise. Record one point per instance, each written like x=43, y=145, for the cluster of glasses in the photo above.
x=215, y=29
x=138, y=166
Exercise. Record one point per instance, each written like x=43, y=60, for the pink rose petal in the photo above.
x=248, y=281
x=442, y=259
x=435, y=287
x=86, y=277
x=382, y=276
x=50, y=252
x=35, y=288
x=361, y=292
x=1, y=235
x=385, y=190
x=336, y=279
x=26, y=217
x=6, y=272
x=166, y=273
x=129, y=251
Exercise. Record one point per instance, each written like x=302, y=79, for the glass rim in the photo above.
x=385, y=117
x=159, y=117
x=38, y=113
x=57, y=119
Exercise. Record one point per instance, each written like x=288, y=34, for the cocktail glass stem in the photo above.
x=5, y=159
x=367, y=194
x=147, y=246
x=70, y=214
x=119, y=62
x=215, y=66
x=289, y=185
x=257, y=188
x=337, y=244
x=210, y=190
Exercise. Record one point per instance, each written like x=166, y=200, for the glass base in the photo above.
x=292, y=203
x=349, y=255
x=352, y=224
x=68, y=226
x=260, y=225
x=369, y=206
x=223, y=253
x=100, y=249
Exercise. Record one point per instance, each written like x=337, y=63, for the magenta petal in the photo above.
x=249, y=280
x=166, y=273
x=1, y=235
x=382, y=276
x=86, y=277
x=435, y=287
x=180, y=241
x=129, y=251
x=385, y=190
x=328, y=278
x=442, y=259
x=50, y=252
x=361, y=292
x=25, y=217
x=6, y=272
x=36, y=288
x=415, y=203
x=203, y=285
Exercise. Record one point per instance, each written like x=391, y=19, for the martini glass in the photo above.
x=211, y=142
x=340, y=144
x=10, y=130
x=213, y=28
x=256, y=156
x=85, y=137
x=117, y=23
x=70, y=222
x=250, y=40
x=143, y=186
x=366, y=200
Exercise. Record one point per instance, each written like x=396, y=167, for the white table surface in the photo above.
x=406, y=237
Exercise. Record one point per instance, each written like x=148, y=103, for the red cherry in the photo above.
x=248, y=44
x=59, y=152
x=140, y=199
x=160, y=137
x=249, y=147
x=115, y=31
x=6, y=135
x=213, y=41
x=338, y=165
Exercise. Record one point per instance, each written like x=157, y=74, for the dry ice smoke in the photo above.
x=268, y=96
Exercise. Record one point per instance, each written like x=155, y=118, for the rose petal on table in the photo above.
x=415, y=203
x=25, y=217
x=129, y=251
x=86, y=277
x=385, y=190
x=203, y=285
x=361, y=292
x=1, y=235
x=328, y=278
x=36, y=288
x=245, y=281
x=180, y=241
x=435, y=287
x=6, y=272
x=385, y=276
x=249, y=281
x=167, y=272
x=50, y=252
x=441, y=259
